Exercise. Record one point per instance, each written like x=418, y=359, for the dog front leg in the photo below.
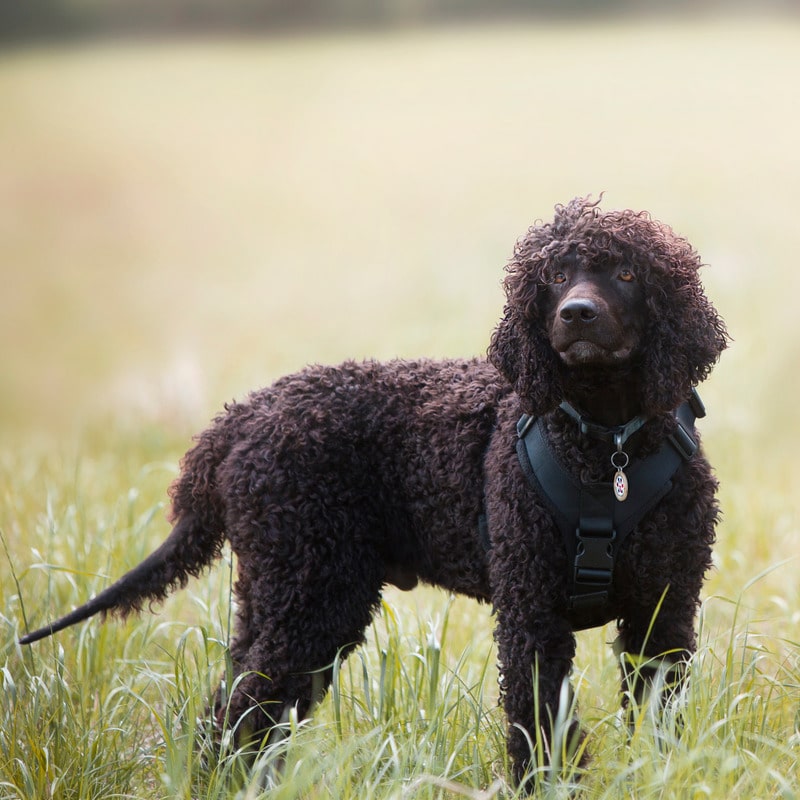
x=654, y=647
x=535, y=693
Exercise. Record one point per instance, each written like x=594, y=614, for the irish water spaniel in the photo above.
x=335, y=481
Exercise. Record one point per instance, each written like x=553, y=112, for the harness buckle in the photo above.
x=683, y=442
x=696, y=404
x=524, y=425
x=594, y=554
x=594, y=557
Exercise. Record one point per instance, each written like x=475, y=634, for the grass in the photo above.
x=182, y=221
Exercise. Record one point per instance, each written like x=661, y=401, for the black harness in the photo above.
x=595, y=518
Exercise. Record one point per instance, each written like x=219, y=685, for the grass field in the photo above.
x=183, y=221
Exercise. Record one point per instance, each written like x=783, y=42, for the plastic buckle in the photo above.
x=594, y=557
x=684, y=442
x=524, y=425
x=696, y=404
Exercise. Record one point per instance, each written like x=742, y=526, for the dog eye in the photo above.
x=559, y=277
x=626, y=275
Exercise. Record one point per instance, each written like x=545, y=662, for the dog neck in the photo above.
x=606, y=410
x=610, y=403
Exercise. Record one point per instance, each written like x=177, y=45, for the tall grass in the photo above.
x=181, y=221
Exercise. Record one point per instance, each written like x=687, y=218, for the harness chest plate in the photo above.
x=593, y=521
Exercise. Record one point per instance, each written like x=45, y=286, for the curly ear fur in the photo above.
x=522, y=353
x=683, y=338
x=684, y=335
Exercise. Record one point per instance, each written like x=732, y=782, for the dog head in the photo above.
x=593, y=296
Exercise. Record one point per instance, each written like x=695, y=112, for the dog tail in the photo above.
x=196, y=539
x=184, y=553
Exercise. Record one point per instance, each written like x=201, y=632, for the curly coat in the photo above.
x=337, y=480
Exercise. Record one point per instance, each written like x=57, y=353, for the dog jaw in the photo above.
x=587, y=353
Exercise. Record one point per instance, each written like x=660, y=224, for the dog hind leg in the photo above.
x=290, y=631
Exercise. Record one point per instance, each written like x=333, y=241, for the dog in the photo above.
x=499, y=478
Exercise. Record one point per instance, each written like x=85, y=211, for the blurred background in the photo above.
x=59, y=18
x=196, y=197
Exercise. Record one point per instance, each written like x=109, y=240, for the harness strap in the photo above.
x=618, y=434
x=593, y=523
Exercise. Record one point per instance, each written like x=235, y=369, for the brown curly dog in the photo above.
x=337, y=480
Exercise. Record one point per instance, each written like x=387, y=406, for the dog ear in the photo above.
x=520, y=348
x=685, y=335
x=521, y=353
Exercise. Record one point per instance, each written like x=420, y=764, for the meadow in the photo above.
x=182, y=221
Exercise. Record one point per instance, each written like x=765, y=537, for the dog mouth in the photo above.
x=585, y=352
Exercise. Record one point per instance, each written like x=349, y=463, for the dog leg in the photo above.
x=261, y=702
x=536, y=695
x=290, y=631
x=653, y=649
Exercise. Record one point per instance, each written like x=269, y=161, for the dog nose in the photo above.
x=580, y=310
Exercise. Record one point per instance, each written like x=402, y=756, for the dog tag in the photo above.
x=619, y=461
x=620, y=485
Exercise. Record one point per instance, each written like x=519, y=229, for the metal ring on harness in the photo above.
x=614, y=459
